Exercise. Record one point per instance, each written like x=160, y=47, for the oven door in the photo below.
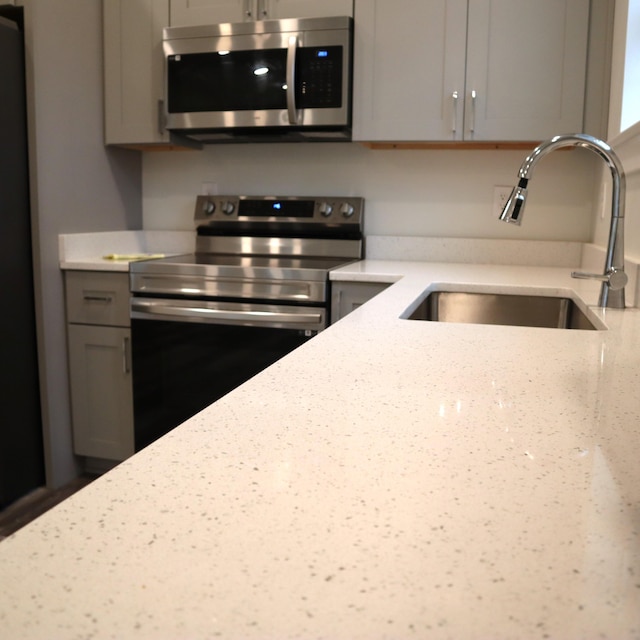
x=187, y=354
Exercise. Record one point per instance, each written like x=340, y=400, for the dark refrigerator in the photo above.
x=21, y=448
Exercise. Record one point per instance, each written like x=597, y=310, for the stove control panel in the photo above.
x=334, y=210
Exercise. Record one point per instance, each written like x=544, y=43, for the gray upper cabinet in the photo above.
x=469, y=70
x=527, y=63
x=133, y=57
x=430, y=71
x=409, y=58
x=192, y=12
x=133, y=71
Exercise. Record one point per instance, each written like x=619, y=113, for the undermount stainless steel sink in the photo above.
x=522, y=310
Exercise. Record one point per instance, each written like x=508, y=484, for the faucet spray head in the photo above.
x=514, y=207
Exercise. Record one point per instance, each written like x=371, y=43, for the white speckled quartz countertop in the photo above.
x=88, y=251
x=389, y=479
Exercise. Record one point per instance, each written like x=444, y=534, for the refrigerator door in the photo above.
x=21, y=448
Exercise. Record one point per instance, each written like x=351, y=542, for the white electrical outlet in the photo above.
x=500, y=196
x=209, y=189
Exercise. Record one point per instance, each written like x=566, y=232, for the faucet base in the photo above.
x=611, y=298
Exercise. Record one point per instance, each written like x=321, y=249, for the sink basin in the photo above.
x=522, y=310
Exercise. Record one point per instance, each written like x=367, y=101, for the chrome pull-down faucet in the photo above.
x=614, y=278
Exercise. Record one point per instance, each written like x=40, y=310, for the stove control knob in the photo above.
x=325, y=209
x=228, y=208
x=346, y=210
x=208, y=208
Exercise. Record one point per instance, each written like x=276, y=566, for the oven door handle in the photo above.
x=145, y=308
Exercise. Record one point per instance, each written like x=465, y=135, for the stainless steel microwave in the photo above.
x=265, y=80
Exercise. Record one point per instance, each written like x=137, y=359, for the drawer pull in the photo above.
x=92, y=298
x=454, y=111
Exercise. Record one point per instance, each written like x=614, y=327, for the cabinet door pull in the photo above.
x=454, y=111
x=161, y=120
x=126, y=355
x=262, y=9
x=248, y=9
x=472, y=124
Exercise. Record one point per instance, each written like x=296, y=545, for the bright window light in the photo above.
x=631, y=89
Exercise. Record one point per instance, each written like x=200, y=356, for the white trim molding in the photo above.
x=627, y=146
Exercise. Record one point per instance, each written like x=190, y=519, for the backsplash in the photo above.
x=432, y=193
x=537, y=253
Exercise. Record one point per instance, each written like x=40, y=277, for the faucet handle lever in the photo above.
x=616, y=279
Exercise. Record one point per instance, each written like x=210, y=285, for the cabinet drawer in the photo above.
x=96, y=297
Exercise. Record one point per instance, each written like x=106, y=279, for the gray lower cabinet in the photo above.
x=348, y=296
x=99, y=342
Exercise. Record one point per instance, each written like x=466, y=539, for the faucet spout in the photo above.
x=614, y=278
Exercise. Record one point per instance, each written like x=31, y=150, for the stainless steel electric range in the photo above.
x=256, y=288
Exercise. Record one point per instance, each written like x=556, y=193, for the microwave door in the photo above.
x=228, y=88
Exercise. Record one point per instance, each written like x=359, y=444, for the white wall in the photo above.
x=77, y=185
x=445, y=193
x=627, y=146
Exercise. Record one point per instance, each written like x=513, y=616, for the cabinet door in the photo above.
x=193, y=12
x=305, y=8
x=409, y=60
x=133, y=70
x=101, y=391
x=348, y=296
x=526, y=63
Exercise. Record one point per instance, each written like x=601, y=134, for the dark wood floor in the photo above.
x=28, y=508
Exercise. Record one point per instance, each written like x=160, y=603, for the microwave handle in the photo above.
x=291, y=80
